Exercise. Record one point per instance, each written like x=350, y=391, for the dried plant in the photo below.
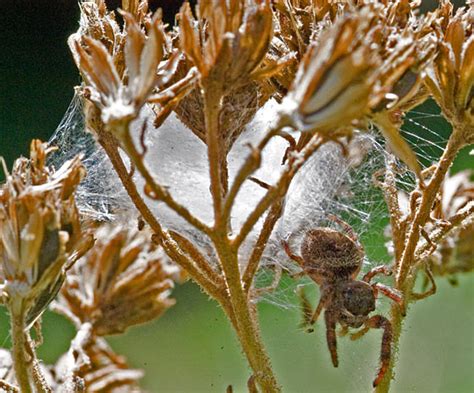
x=335, y=71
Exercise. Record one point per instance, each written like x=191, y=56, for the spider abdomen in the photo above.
x=331, y=250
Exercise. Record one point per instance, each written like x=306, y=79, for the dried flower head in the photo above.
x=123, y=281
x=228, y=43
x=451, y=76
x=365, y=64
x=120, y=89
x=455, y=254
x=40, y=233
x=298, y=23
x=337, y=80
x=94, y=367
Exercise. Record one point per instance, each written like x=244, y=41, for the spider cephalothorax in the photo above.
x=333, y=260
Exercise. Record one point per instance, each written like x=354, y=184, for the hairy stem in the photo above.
x=246, y=325
x=406, y=274
x=216, y=152
x=197, y=273
x=20, y=341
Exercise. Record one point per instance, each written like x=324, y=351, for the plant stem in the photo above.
x=110, y=147
x=215, y=150
x=424, y=209
x=406, y=277
x=20, y=361
x=245, y=323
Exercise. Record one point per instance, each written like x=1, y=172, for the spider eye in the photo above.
x=359, y=298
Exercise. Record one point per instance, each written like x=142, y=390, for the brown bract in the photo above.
x=451, y=76
x=122, y=282
x=40, y=233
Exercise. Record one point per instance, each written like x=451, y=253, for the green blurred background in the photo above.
x=192, y=348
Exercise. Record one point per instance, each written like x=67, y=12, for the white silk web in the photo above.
x=329, y=183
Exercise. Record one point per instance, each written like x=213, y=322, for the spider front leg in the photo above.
x=310, y=317
x=331, y=336
x=391, y=293
x=286, y=246
x=382, y=269
x=380, y=322
x=429, y=292
x=345, y=226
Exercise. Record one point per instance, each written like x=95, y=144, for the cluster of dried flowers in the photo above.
x=333, y=66
x=106, y=280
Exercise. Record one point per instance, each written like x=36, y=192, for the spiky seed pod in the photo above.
x=40, y=233
x=123, y=281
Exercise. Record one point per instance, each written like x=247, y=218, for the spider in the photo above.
x=333, y=259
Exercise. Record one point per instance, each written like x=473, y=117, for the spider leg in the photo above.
x=382, y=269
x=286, y=246
x=273, y=285
x=319, y=308
x=331, y=336
x=343, y=331
x=380, y=322
x=360, y=333
x=251, y=384
x=429, y=292
x=306, y=308
x=391, y=293
x=345, y=226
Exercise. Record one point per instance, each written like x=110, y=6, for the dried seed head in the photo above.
x=40, y=233
x=237, y=111
x=120, y=78
x=456, y=253
x=451, y=76
x=366, y=65
x=298, y=23
x=337, y=79
x=97, y=369
x=123, y=281
x=228, y=43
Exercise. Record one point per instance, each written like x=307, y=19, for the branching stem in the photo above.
x=406, y=266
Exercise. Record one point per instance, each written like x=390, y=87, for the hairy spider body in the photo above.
x=327, y=252
x=333, y=260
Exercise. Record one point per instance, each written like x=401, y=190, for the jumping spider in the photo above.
x=333, y=259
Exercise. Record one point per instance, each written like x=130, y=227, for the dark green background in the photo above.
x=192, y=349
